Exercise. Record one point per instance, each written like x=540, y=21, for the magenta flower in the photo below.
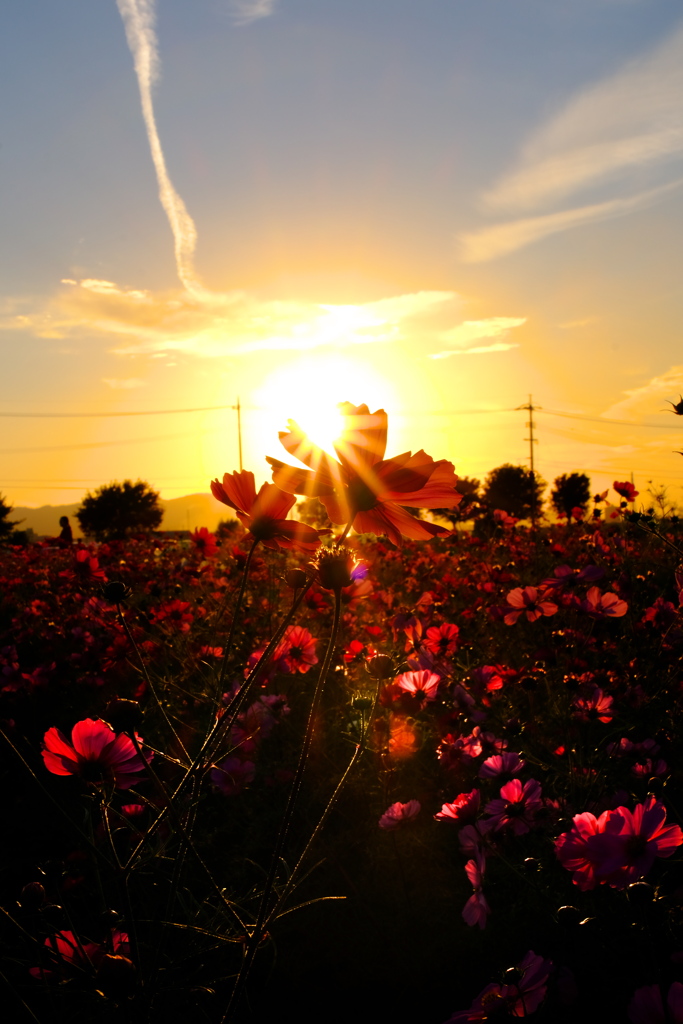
x=476, y=910
x=519, y=998
x=399, y=815
x=597, y=706
x=530, y=601
x=515, y=808
x=583, y=850
x=463, y=810
x=501, y=764
x=96, y=753
x=642, y=836
x=232, y=775
x=647, y=1007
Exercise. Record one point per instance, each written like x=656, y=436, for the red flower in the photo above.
x=641, y=837
x=463, y=810
x=598, y=705
x=583, y=849
x=95, y=753
x=205, y=542
x=441, y=640
x=264, y=514
x=86, y=567
x=626, y=490
x=363, y=488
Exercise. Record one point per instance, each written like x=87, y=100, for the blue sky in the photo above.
x=438, y=206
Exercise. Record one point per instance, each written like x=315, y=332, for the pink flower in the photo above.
x=602, y=606
x=647, y=1007
x=298, y=649
x=530, y=601
x=641, y=837
x=515, y=808
x=476, y=910
x=501, y=764
x=423, y=685
x=96, y=753
x=597, y=706
x=520, y=998
x=464, y=808
x=583, y=849
x=399, y=815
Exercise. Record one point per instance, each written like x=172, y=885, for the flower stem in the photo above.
x=258, y=930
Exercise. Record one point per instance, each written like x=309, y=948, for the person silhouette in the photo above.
x=66, y=536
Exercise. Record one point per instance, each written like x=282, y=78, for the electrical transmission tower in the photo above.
x=531, y=409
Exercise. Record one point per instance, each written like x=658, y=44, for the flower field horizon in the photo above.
x=399, y=771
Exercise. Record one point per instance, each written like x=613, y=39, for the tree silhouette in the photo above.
x=6, y=526
x=515, y=489
x=115, y=510
x=571, y=490
x=469, y=507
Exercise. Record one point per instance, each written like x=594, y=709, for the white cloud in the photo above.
x=138, y=19
x=500, y=239
x=123, y=384
x=499, y=346
x=629, y=120
x=246, y=11
x=472, y=330
x=650, y=398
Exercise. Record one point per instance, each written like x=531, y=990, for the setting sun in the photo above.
x=309, y=391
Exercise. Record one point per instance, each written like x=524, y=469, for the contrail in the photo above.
x=138, y=20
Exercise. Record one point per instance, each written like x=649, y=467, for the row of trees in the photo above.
x=118, y=509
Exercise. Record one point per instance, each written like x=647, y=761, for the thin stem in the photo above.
x=257, y=932
x=236, y=611
x=148, y=680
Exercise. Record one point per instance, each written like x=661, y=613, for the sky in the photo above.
x=437, y=207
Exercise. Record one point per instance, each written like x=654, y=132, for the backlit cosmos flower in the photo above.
x=265, y=514
x=96, y=753
x=363, y=488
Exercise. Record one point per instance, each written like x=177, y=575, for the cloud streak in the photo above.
x=138, y=20
x=621, y=130
x=501, y=239
x=246, y=11
x=631, y=119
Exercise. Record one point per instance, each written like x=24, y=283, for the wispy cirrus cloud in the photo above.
x=460, y=339
x=123, y=383
x=613, y=133
x=650, y=398
x=246, y=11
x=500, y=239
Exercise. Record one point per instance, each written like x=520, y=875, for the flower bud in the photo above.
x=362, y=703
x=32, y=896
x=115, y=591
x=380, y=667
x=337, y=568
x=296, y=579
x=123, y=715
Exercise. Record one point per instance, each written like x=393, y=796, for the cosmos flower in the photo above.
x=264, y=514
x=423, y=685
x=363, y=488
x=442, y=640
x=463, y=810
x=603, y=606
x=515, y=808
x=399, y=814
x=530, y=601
x=647, y=1007
x=96, y=753
x=204, y=541
x=626, y=489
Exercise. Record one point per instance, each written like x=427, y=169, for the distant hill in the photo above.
x=186, y=513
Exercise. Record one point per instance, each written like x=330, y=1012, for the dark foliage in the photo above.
x=116, y=510
x=6, y=525
x=571, y=490
x=469, y=507
x=515, y=489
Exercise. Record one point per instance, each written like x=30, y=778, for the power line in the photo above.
x=104, y=415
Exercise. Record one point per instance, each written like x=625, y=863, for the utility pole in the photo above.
x=239, y=430
x=531, y=408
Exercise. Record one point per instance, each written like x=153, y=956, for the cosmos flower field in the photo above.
x=370, y=769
